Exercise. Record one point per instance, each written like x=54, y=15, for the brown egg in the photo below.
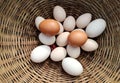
x=77, y=38
x=49, y=27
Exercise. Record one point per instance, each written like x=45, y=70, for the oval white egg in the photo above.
x=72, y=66
x=59, y=13
x=58, y=54
x=38, y=20
x=62, y=39
x=61, y=28
x=96, y=28
x=47, y=40
x=69, y=23
x=83, y=20
x=90, y=45
x=73, y=52
x=40, y=53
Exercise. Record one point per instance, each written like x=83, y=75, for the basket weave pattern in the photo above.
x=18, y=36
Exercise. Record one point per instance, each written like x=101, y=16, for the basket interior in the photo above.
x=18, y=36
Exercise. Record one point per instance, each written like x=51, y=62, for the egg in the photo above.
x=72, y=66
x=59, y=13
x=73, y=52
x=61, y=29
x=38, y=20
x=58, y=54
x=62, y=39
x=69, y=23
x=96, y=28
x=77, y=38
x=90, y=45
x=40, y=53
x=79, y=29
x=47, y=40
x=83, y=20
x=49, y=27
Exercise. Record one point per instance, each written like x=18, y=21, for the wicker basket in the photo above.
x=18, y=36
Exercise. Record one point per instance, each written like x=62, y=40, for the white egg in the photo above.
x=58, y=54
x=96, y=28
x=73, y=52
x=47, y=40
x=61, y=28
x=90, y=45
x=83, y=20
x=59, y=13
x=72, y=66
x=69, y=23
x=40, y=53
x=62, y=39
x=38, y=20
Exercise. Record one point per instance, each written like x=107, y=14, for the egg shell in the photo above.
x=61, y=29
x=77, y=38
x=95, y=28
x=69, y=23
x=79, y=29
x=47, y=40
x=73, y=52
x=38, y=20
x=40, y=53
x=62, y=39
x=49, y=27
x=72, y=66
x=90, y=45
x=83, y=20
x=58, y=54
x=59, y=13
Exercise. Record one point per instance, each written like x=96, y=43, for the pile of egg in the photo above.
x=59, y=40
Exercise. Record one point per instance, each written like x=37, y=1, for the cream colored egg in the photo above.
x=59, y=13
x=90, y=45
x=58, y=54
x=62, y=39
x=73, y=52
x=83, y=20
x=47, y=40
x=69, y=23
x=38, y=20
x=61, y=28
x=40, y=53
x=79, y=29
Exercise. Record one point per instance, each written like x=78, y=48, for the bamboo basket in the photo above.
x=18, y=36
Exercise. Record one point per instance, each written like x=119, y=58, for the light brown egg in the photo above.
x=77, y=38
x=49, y=27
